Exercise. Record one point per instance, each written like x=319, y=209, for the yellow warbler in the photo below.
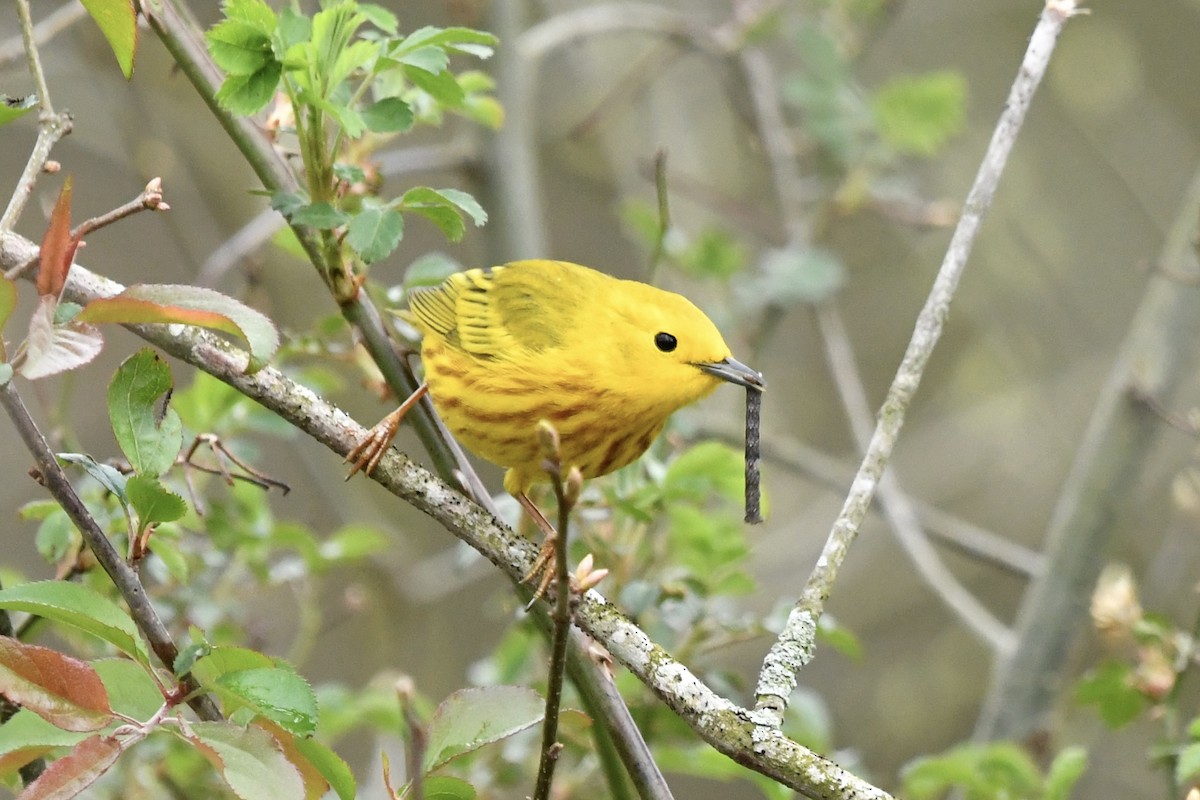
x=605, y=361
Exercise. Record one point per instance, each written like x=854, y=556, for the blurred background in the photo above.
x=822, y=239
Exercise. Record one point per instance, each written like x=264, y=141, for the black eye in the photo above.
x=665, y=342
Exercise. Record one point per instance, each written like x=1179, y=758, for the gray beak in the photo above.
x=734, y=371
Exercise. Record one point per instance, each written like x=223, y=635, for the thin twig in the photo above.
x=794, y=647
x=566, y=491
x=51, y=126
x=55, y=22
x=128, y=583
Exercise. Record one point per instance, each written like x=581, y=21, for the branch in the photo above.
x=794, y=647
x=739, y=733
x=123, y=576
x=1105, y=470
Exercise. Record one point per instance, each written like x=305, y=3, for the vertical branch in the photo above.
x=1160, y=339
x=794, y=647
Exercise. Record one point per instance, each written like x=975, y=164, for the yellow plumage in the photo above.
x=605, y=361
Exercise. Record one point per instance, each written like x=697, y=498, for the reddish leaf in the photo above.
x=62, y=690
x=74, y=772
x=58, y=246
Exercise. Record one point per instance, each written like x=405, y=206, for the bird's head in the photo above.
x=670, y=351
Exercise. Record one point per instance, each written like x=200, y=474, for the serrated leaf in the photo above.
x=389, y=115
x=153, y=502
x=62, y=690
x=74, y=772
x=148, y=431
x=249, y=94
x=221, y=660
x=80, y=607
x=278, y=694
x=375, y=232
x=380, y=17
x=118, y=22
x=190, y=305
x=455, y=38
x=249, y=760
x=13, y=108
x=255, y=13
x=51, y=349
x=470, y=718
x=430, y=59
x=238, y=47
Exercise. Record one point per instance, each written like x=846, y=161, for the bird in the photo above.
x=605, y=361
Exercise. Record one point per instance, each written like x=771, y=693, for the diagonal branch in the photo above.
x=794, y=647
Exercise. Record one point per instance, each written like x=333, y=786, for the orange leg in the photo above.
x=544, y=565
x=367, y=453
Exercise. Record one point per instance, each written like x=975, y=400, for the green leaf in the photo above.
x=131, y=690
x=249, y=760
x=8, y=299
x=351, y=173
x=466, y=203
x=6, y=373
x=703, y=469
x=917, y=114
x=447, y=787
x=277, y=693
x=80, y=607
x=1188, y=766
x=147, y=430
x=153, y=502
x=254, y=13
x=319, y=215
x=55, y=537
x=222, y=660
x=380, y=17
x=13, y=108
x=239, y=48
x=441, y=86
x=465, y=40
x=389, y=115
x=331, y=767
x=430, y=59
x=249, y=94
x=375, y=233
x=1108, y=688
x=189, y=305
x=118, y=22
x=840, y=638
x=471, y=718
x=294, y=28
x=1064, y=772
x=353, y=542
x=112, y=479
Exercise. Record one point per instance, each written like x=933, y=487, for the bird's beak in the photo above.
x=734, y=371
